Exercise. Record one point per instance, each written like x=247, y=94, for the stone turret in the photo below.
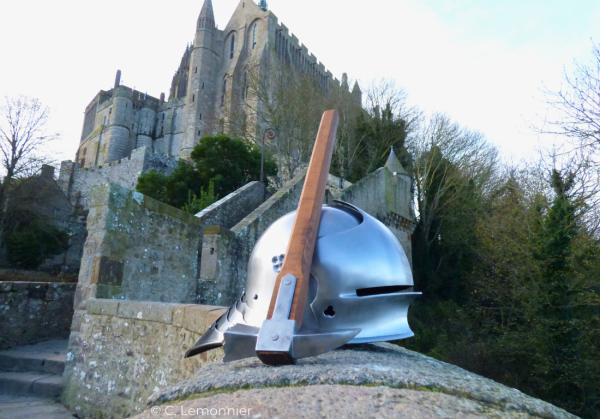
x=119, y=122
x=345, y=83
x=394, y=165
x=199, y=101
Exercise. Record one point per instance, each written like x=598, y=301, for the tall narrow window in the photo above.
x=245, y=86
x=254, y=35
x=224, y=91
x=232, y=45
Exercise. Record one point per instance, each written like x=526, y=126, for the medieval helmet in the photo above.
x=360, y=279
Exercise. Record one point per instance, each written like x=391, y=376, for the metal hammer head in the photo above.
x=241, y=341
x=278, y=341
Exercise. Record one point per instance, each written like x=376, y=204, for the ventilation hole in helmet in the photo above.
x=229, y=313
x=329, y=312
x=256, y=296
x=365, y=292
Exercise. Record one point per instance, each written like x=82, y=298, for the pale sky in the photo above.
x=485, y=63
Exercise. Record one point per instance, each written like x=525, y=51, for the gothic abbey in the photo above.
x=210, y=86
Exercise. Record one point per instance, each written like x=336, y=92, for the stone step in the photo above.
x=31, y=383
x=14, y=362
x=20, y=407
x=45, y=357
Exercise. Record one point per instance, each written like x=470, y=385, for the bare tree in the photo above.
x=22, y=134
x=579, y=104
x=291, y=104
x=445, y=155
x=579, y=165
x=389, y=121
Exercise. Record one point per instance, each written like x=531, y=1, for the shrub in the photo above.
x=30, y=244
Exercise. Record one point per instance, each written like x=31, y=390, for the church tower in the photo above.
x=199, y=101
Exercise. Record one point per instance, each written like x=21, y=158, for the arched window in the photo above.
x=254, y=34
x=224, y=91
x=232, y=45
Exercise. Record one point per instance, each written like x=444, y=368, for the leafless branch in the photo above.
x=22, y=134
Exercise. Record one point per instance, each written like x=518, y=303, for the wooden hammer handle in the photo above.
x=301, y=247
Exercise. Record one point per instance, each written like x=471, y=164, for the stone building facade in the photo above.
x=211, y=85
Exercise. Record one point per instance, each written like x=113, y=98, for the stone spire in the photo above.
x=263, y=5
x=393, y=164
x=206, y=20
x=118, y=79
x=357, y=93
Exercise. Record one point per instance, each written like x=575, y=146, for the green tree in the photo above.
x=30, y=229
x=173, y=189
x=219, y=165
x=229, y=162
x=526, y=312
x=558, y=232
x=29, y=244
x=197, y=203
x=505, y=286
x=452, y=170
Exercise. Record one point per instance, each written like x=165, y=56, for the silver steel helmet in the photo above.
x=360, y=279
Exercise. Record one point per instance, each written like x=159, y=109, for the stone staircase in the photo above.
x=31, y=378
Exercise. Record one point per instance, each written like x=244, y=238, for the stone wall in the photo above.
x=228, y=211
x=31, y=312
x=139, y=248
x=127, y=351
x=77, y=183
x=136, y=248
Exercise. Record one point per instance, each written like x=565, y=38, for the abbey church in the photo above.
x=210, y=86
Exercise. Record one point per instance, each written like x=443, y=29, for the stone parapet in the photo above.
x=127, y=351
x=139, y=249
x=377, y=380
x=228, y=211
x=78, y=183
